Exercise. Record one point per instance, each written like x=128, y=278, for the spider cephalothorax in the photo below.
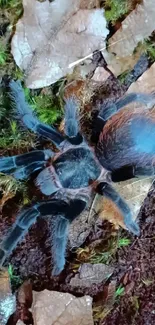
x=78, y=169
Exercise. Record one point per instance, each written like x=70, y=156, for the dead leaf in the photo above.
x=7, y=299
x=100, y=75
x=137, y=26
x=56, y=308
x=65, y=32
x=104, y=301
x=90, y=274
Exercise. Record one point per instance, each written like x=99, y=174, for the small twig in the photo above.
x=92, y=206
x=71, y=65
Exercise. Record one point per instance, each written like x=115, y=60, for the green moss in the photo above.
x=46, y=106
x=122, y=77
x=116, y=9
x=14, y=9
x=149, y=48
x=14, y=279
x=3, y=54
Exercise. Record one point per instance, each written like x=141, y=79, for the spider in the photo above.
x=125, y=149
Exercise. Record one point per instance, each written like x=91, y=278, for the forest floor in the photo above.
x=127, y=296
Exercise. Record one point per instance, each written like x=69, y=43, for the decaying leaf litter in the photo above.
x=126, y=293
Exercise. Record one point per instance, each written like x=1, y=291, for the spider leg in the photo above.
x=26, y=163
x=60, y=228
x=108, y=191
x=28, y=117
x=71, y=122
x=25, y=172
x=127, y=172
x=147, y=99
x=64, y=214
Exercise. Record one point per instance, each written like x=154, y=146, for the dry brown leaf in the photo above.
x=138, y=25
x=90, y=274
x=51, y=35
x=100, y=75
x=104, y=301
x=57, y=308
x=7, y=299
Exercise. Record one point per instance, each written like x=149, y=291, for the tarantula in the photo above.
x=125, y=149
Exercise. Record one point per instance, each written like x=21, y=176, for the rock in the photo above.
x=90, y=274
x=55, y=308
x=7, y=299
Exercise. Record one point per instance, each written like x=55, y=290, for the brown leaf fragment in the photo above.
x=100, y=75
x=65, y=32
x=20, y=322
x=105, y=301
x=91, y=274
x=57, y=308
x=7, y=299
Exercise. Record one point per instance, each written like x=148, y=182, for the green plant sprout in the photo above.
x=119, y=291
x=14, y=279
x=123, y=242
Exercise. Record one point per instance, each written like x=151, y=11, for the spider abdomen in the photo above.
x=77, y=167
x=127, y=138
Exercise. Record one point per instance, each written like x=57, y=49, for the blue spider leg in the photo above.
x=71, y=122
x=59, y=239
x=63, y=213
x=110, y=110
x=108, y=191
x=127, y=172
x=60, y=226
x=25, y=172
x=8, y=164
x=28, y=116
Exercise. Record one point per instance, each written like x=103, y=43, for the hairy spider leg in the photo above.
x=28, y=116
x=59, y=236
x=108, y=191
x=127, y=172
x=64, y=212
x=59, y=233
x=25, y=164
x=71, y=122
x=110, y=110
